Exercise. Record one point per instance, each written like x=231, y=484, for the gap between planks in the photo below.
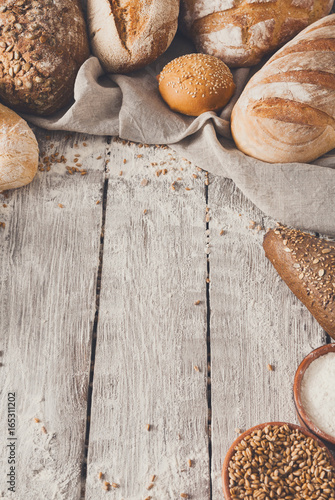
x=95, y=340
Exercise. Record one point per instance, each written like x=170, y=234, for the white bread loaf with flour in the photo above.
x=286, y=113
x=241, y=32
x=18, y=151
x=126, y=35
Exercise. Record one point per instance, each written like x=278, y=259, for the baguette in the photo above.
x=286, y=113
x=241, y=32
x=307, y=265
x=18, y=151
x=126, y=35
x=42, y=45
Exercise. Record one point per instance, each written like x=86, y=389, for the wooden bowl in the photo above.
x=302, y=415
x=231, y=451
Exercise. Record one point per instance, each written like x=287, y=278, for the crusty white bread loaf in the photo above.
x=42, y=45
x=18, y=150
x=286, y=113
x=307, y=265
x=241, y=32
x=128, y=34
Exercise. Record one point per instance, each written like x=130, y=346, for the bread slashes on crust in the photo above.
x=307, y=265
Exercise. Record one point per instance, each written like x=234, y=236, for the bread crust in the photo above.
x=18, y=150
x=286, y=112
x=42, y=45
x=307, y=265
x=241, y=32
x=196, y=83
x=126, y=35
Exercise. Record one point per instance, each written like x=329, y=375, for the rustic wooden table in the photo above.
x=138, y=319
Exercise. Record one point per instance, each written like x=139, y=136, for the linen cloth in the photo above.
x=130, y=106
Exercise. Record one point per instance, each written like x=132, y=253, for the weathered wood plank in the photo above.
x=151, y=334
x=49, y=253
x=255, y=321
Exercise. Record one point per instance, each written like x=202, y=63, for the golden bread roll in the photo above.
x=286, y=112
x=195, y=83
x=18, y=151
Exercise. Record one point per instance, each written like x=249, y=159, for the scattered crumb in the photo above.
x=222, y=232
x=194, y=176
x=106, y=485
x=238, y=430
x=120, y=173
x=187, y=189
x=124, y=160
x=147, y=498
x=259, y=228
x=145, y=211
x=164, y=171
x=115, y=485
x=2, y=224
x=60, y=205
x=252, y=224
x=144, y=182
x=196, y=368
x=43, y=429
x=98, y=202
x=99, y=157
x=184, y=495
x=84, y=144
x=4, y=205
x=139, y=156
x=208, y=280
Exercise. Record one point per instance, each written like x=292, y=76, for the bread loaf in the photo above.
x=42, y=45
x=286, y=112
x=241, y=32
x=195, y=83
x=307, y=265
x=18, y=151
x=128, y=34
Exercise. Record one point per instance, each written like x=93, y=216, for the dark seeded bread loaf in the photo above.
x=307, y=265
x=42, y=45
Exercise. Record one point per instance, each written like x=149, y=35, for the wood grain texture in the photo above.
x=49, y=261
x=255, y=321
x=151, y=334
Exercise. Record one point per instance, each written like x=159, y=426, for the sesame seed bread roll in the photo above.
x=126, y=35
x=307, y=265
x=241, y=32
x=286, y=112
x=195, y=83
x=18, y=151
